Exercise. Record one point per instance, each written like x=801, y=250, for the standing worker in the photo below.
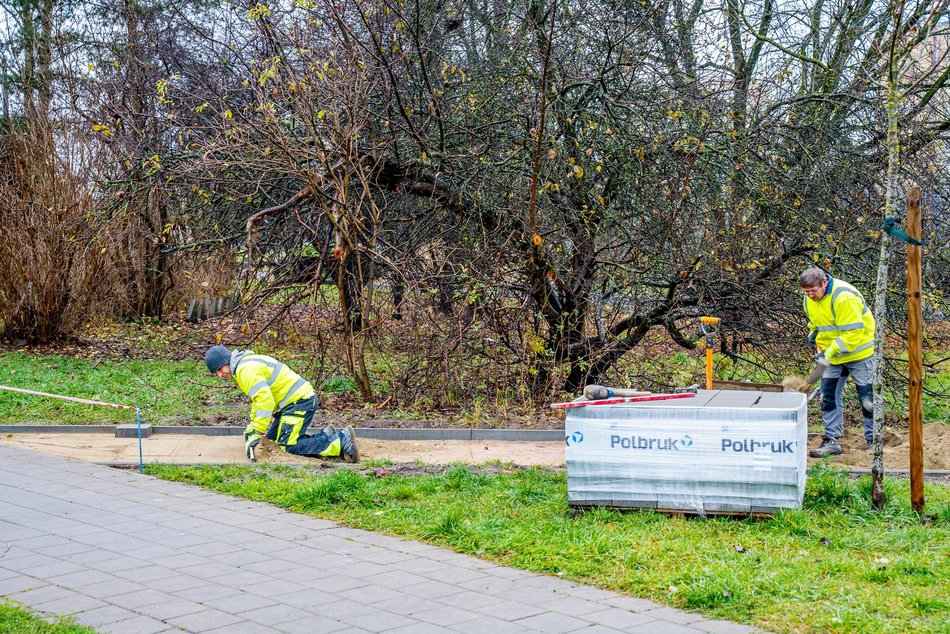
x=841, y=325
x=282, y=405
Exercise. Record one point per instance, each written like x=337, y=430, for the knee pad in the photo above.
x=866, y=395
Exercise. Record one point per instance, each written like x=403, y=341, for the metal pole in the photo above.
x=73, y=399
x=915, y=352
x=138, y=420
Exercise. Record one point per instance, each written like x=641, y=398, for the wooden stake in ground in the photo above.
x=914, y=352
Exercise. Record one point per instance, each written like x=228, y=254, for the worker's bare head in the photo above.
x=813, y=282
x=218, y=360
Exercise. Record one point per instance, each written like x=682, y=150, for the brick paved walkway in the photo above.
x=123, y=552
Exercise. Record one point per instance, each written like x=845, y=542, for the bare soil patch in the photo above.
x=936, y=444
x=436, y=452
x=400, y=456
x=387, y=455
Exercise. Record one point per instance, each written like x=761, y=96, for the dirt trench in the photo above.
x=200, y=449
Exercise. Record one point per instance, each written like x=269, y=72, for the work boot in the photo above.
x=330, y=431
x=348, y=445
x=828, y=447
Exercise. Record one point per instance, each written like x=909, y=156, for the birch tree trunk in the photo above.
x=880, y=308
x=880, y=291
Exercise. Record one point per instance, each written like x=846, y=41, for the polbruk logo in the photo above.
x=651, y=443
x=574, y=439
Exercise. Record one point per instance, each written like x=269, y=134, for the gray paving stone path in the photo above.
x=124, y=552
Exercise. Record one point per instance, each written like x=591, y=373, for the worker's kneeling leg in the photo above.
x=292, y=436
x=316, y=445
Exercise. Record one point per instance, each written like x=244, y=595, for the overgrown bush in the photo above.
x=56, y=262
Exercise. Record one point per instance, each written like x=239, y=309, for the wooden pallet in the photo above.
x=576, y=510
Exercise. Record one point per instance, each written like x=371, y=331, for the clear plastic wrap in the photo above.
x=720, y=452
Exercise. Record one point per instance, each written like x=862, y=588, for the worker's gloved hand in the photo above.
x=251, y=440
x=813, y=337
x=821, y=359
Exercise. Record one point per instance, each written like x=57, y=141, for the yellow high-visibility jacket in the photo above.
x=843, y=321
x=270, y=384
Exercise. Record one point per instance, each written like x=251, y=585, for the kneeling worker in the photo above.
x=282, y=405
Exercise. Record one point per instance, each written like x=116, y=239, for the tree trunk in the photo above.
x=880, y=294
x=28, y=78
x=44, y=59
x=354, y=333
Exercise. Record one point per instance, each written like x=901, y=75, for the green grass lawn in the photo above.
x=174, y=392
x=179, y=391
x=169, y=392
x=833, y=566
x=17, y=620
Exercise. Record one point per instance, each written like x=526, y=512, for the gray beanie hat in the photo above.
x=217, y=357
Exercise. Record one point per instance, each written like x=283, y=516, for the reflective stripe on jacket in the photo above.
x=270, y=384
x=843, y=322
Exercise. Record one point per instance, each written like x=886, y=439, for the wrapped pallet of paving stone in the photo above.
x=723, y=451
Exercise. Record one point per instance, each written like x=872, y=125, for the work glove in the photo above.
x=251, y=440
x=821, y=359
x=813, y=337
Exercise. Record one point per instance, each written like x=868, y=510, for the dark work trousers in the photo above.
x=832, y=387
x=289, y=430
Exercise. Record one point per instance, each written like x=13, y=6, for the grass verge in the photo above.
x=832, y=566
x=177, y=392
x=14, y=618
x=181, y=392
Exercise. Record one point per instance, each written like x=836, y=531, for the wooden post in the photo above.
x=915, y=353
